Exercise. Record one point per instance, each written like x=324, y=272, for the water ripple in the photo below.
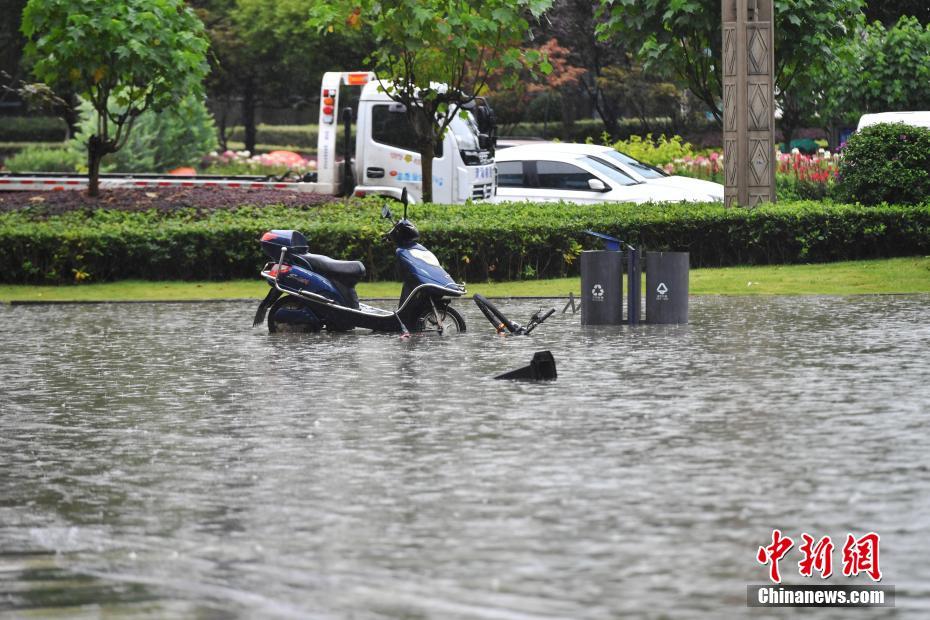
x=166, y=460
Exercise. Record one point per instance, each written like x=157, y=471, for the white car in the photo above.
x=588, y=173
x=916, y=119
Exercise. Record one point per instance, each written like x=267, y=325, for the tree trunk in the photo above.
x=95, y=154
x=221, y=119
x=427, y=149
x=248, y=118
x=608, y=114
x=568, y=114
x=69, y=114
x=790, y=121
x=787, y=133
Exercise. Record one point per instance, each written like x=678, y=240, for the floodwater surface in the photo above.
x=167, y=460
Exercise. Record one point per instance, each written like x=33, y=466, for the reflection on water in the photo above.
x=167, y=460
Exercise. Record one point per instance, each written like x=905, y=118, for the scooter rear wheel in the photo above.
x=291, y=315
x=452, y=321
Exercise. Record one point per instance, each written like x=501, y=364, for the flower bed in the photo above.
x=243, y=162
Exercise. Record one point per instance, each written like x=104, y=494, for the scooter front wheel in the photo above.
x=450, y=321
x=291, y=315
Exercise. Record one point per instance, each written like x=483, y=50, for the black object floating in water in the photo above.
x=501, y=322
x=541, y=368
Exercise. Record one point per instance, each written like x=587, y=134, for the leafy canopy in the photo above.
x=879, y=70
x=123, y=57
x=160, y=141
x=143, y=53
x=435, y=55
x=684, y=37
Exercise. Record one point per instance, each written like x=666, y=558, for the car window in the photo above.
x=394, y=129
x=644, y=170
x=559, y=175
x=610, y=171
x=510, y=174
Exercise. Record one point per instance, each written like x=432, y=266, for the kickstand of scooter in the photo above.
x=404, y=332
x=436, y=314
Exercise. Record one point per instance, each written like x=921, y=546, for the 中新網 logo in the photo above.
x=860, y=555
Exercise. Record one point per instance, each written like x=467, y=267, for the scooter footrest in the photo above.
x=373, y=310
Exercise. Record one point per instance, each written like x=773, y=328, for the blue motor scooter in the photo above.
x=310, y=292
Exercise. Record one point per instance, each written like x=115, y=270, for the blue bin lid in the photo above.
x=611, y=244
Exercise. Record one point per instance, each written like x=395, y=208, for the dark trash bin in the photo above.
x=667, y=287
x=601, y=287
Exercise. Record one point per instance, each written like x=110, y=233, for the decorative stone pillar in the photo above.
x=748, y=102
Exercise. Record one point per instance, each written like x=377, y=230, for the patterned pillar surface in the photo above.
x=748, y=102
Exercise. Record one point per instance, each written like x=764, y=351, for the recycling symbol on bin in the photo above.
x=661, y=292
x=597, y=293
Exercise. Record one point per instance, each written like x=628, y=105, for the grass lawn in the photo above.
x=896, y=275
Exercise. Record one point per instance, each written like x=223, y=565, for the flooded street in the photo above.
x=162, y=460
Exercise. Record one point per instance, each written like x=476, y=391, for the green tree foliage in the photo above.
x=123, y=57
x=433, y=56
x=574, y=23
x=889, y=162
x=264, y=52
x=640, y=94
x=890, y=12
x=682, y=37
x=160, y=141
x=11, y=46
x=879, y=70
x=512, y=104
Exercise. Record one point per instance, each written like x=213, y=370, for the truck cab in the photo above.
x=386, y=160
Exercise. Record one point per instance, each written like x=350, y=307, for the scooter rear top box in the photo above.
x=274, y=240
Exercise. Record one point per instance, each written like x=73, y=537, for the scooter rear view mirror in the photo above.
x=386, y=213
x=403, y=199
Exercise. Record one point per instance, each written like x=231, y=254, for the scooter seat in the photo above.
x=351, y=269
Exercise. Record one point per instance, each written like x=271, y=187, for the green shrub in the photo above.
x=32, y=129
x=579, y=131
x=44, y=159
x=888, y=162
x=475, y=242
x=788, y=187
x=593, y=129
x=158, y=142
x=656, y=152
x=302, y=136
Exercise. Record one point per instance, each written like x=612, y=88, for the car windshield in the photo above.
x=466, y=131
x=608, y=171
x=644, y=170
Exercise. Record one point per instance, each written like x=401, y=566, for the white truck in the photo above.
x=384, y=162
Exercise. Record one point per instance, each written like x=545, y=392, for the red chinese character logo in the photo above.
x=819, y=556
x=773, y=553
x=861, y=556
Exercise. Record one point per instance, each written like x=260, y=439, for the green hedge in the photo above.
x=582, y=130
x=474, y=242
x=32, y=129
x=303, y=136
